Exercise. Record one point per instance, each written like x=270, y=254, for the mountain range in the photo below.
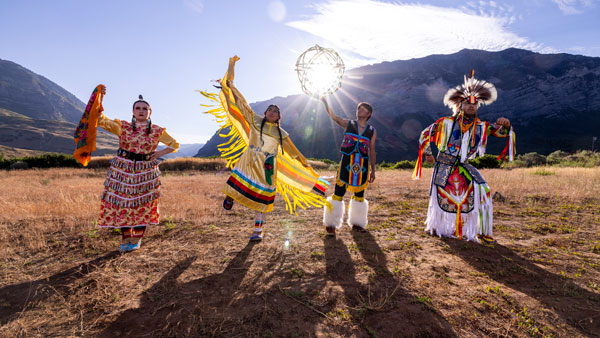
x=552, y=100
x=37, y=116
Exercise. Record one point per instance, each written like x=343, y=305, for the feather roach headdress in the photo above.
x=472, y=91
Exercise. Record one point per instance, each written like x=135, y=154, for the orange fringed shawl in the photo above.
x=85, y=134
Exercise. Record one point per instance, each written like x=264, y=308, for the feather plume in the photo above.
x=484, y=91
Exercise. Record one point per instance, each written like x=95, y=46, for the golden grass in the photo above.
x=177, y=164
x=318, y=165
x=189, y=163
x=564, y=183
x=312, y=287
x=67, y=199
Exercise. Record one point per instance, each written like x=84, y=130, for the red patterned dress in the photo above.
x=132, y=187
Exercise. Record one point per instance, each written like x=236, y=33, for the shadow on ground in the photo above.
x=18, y=298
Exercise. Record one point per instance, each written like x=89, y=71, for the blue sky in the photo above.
x=167, y=49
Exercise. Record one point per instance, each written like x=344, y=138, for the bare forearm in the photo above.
x=231, y=68
x=373, y=161
x=167, y=150
x=373, y=157
x=333, y=117
x=328, y=110
x=162, y=152
x=340, y=121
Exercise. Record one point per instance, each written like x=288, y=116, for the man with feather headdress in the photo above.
x=460, y=203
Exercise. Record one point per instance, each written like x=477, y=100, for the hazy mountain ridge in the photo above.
x=185, y=150
x=553, y=101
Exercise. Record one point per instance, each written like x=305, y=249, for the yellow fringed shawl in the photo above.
x=296, y=180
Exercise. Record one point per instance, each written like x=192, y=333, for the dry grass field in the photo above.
x=197, y=275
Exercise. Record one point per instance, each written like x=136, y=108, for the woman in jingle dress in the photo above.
x=132, y=186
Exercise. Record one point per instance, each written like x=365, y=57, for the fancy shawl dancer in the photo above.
x=132, y=186
x=262, y=157
x=460, y=204
x=356, y=170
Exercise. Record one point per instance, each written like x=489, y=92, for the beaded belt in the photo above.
x=133, y=156
x=260, y=150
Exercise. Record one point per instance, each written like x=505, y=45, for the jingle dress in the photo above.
x=132, y=186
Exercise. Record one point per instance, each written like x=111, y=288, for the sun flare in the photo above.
x=320, y=71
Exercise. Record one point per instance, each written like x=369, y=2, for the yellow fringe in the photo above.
x=294, y=198
x=233, y=148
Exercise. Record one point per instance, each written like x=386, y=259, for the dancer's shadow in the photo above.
x=273, y=301
x=171, y=309
x=17, y=298
x=395, y=312
x=579, y=307
x=339, y=267
x=346, y=307
x=371, y=252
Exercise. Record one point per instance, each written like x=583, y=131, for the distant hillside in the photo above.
x=19, y=131
x=210, y=147
x=553, y=101
x=33, y=95
x=11, y=152
x=37, y=115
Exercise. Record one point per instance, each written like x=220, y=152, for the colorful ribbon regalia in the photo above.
x=460, y=203
x=354, y=169
x=259, y=167
x=353, y=175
